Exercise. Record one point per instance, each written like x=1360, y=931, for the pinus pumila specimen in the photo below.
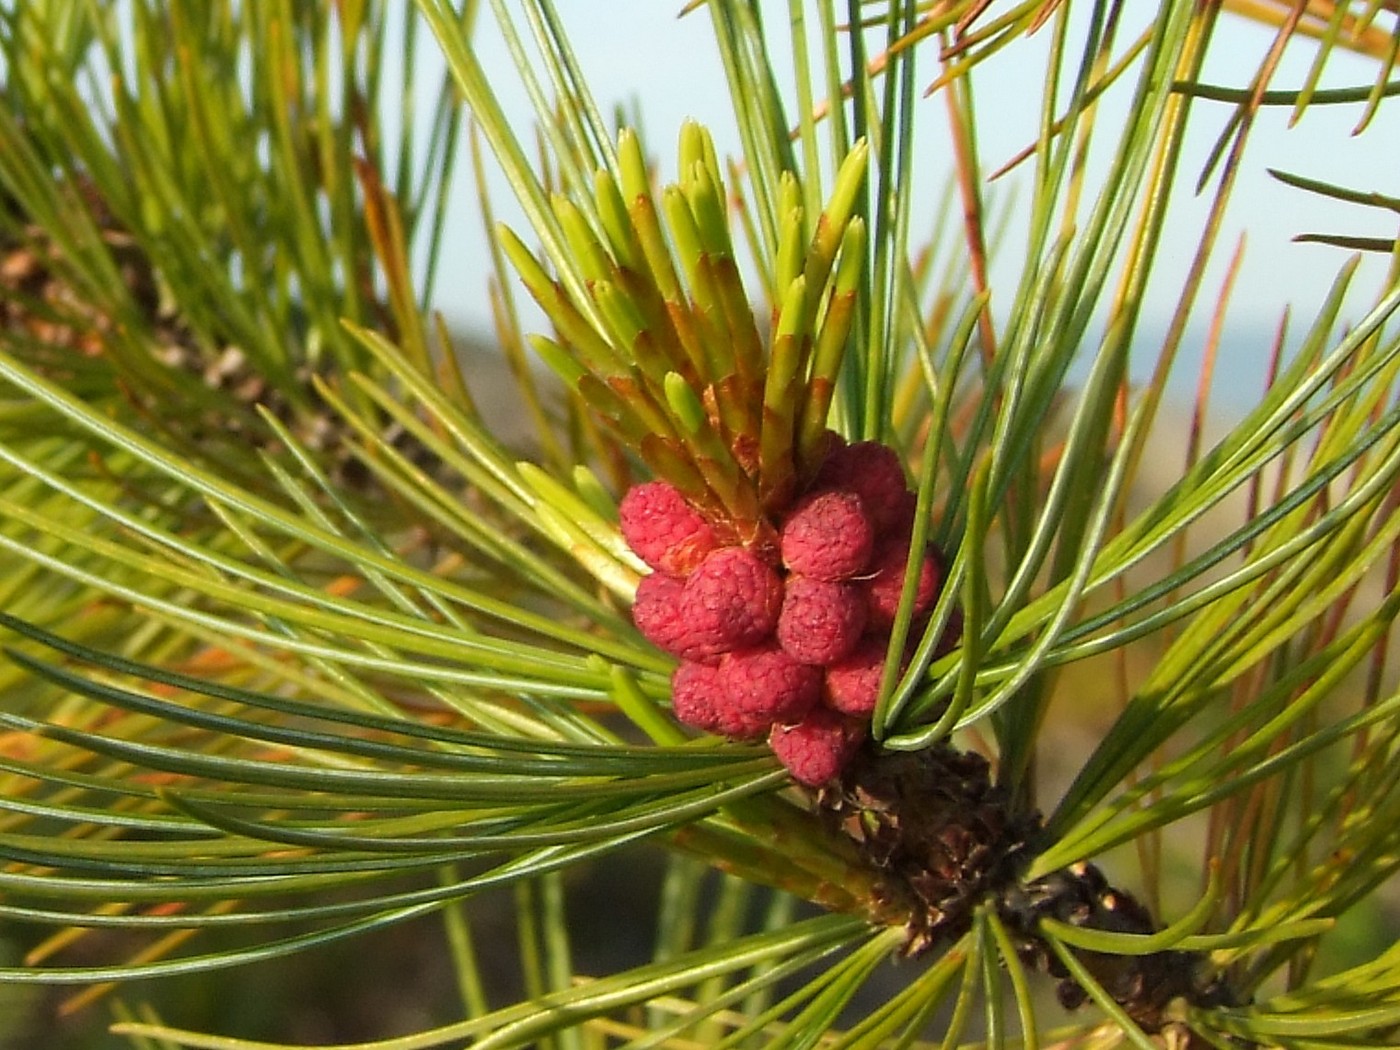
x=245, y=691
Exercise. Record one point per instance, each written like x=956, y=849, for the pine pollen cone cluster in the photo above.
x=787, y=645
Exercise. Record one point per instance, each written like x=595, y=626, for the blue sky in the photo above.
x=639, y=52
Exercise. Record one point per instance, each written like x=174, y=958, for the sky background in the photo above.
x=639, y=53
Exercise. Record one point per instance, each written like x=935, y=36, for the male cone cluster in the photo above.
x=788, y=647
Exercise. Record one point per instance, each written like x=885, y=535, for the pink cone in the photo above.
x=873, y=472
x=731, y=601
x=852, y=685
x=663, y=529
x=763, y=686
x=820, y=621
x=886, y=581
x=816, y=749
x=696, y=696
x=828, y=536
